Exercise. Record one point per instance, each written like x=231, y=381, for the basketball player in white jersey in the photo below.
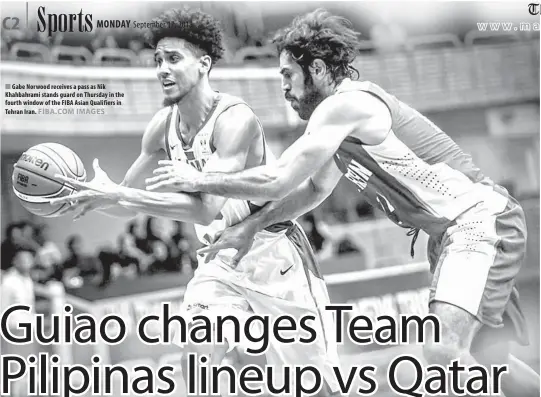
x=212, y=131
x=402, y=164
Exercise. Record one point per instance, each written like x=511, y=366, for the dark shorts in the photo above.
x=476, y=261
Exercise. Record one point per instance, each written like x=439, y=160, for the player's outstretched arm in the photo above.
x=333, y=120
x=151, y=151
x=234, y=134
x=311, y=193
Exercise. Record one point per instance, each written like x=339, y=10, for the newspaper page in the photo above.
x=267, y=198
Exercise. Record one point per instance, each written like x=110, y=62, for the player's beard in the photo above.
x=310, y=99
x=168, y=101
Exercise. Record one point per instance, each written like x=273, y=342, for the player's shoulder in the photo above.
x=228, y=100
x=160, y=117
x=155, y=131
x=235, y=105
x=235, y=111
x=349, y=106
x=237, y=121
x=157, y=124
x=366, y=96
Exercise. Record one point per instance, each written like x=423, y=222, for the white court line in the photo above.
x=330, y=279
x=158, y=295
x=104, y=73
x=374, y=274
x=80, y=303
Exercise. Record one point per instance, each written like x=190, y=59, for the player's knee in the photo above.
x=214, y=353
x=197, y=349
x=218, y=353
x=326, y=391
x=458, y=328
x=443, y=353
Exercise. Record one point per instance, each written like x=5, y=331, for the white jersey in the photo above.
x=278, y=276
x=197, y=154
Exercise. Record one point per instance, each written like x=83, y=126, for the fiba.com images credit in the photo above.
x=46, y=375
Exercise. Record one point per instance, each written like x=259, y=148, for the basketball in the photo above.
x=34, y=181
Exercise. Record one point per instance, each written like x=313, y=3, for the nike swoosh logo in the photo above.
x=282, y=272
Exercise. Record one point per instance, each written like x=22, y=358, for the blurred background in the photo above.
x=481, y=87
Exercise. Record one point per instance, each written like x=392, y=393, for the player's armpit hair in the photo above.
x=321, y=35
x=201, y=30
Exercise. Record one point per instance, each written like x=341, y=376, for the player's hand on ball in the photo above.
x=173, y=176
x=240, y=237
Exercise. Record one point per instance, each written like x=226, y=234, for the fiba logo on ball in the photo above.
x=22, y=180
x=34, y=181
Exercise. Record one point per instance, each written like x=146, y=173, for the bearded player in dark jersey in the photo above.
x=406, y=166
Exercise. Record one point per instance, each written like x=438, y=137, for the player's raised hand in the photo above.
x=100, y=176
x=95, y=194
x=240, y=237
x=173, y=176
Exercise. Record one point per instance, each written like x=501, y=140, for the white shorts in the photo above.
x=475, y=263
x=279, y=276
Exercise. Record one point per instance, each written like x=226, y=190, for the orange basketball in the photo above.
x=34, y=181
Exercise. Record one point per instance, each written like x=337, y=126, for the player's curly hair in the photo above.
x=197, y=28
x=321, y=35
